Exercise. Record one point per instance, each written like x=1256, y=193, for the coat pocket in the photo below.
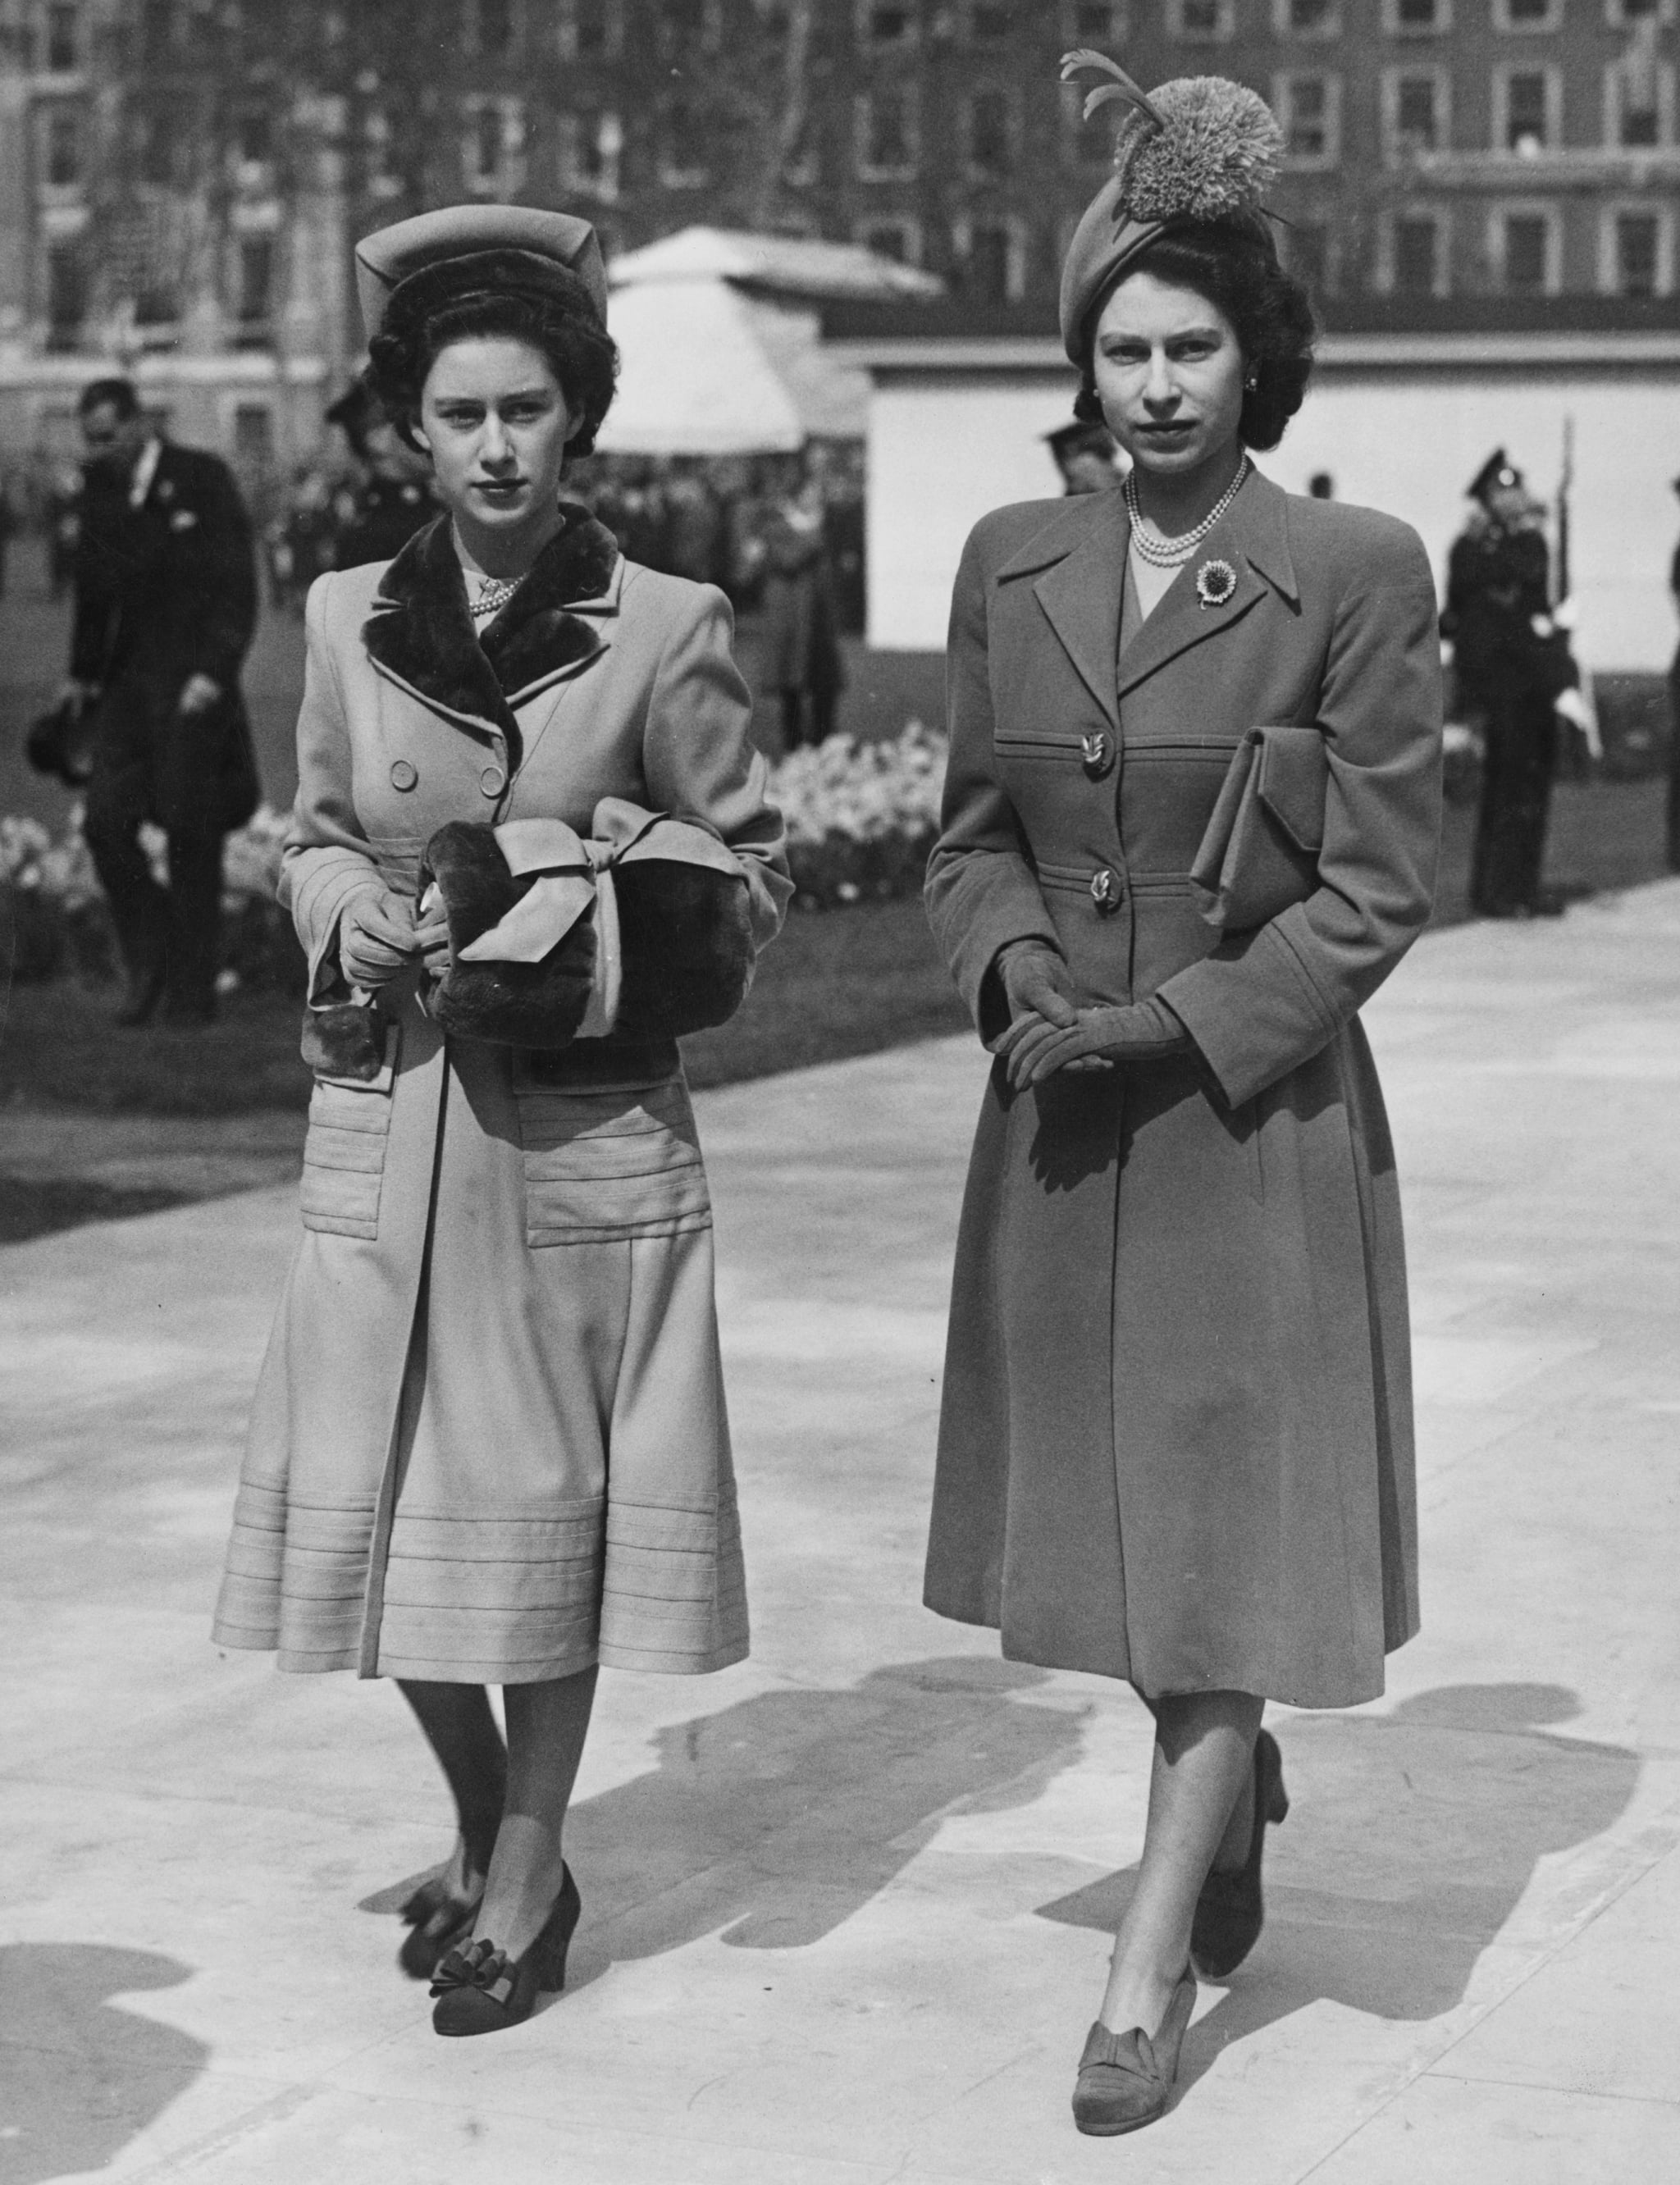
x=350, y=1126
x=604, y=1166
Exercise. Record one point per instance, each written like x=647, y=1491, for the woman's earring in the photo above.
x=1252, y=384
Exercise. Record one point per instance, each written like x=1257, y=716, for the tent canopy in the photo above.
x=721, y=346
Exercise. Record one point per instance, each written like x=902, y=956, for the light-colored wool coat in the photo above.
x=1176, y=1443
x=489, y=1441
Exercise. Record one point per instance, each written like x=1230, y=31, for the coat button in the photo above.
x=403, y=775
x=1105, y=889
x=493, y=780
x=1096, y=755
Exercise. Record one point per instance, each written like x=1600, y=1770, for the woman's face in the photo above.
x=1169, y=374
x=495, y=419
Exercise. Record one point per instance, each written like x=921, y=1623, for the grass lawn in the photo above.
x=838, y=983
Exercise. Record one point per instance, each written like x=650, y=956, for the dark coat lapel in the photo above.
x=1081, y=594
x=421, y=635
x=1253, y=539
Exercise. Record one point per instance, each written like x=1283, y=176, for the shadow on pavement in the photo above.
x=804, y=1804
x=83, y=2075
x=1419, y=1840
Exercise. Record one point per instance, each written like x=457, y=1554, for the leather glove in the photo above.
x=1037, y=988
x=379, y=933
x=1143, y=1031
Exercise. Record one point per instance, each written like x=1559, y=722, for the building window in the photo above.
x=62, y=164
x=991, y=134
x=886, y=134
x=690, y=23
x=592, y=29
x=1094, y=22
x=1417, y=19
x=253, y=302
x=591, y=151
x=1415, y=111
x=377, y=153
x=1307, y=19
x=1526, y=107
x=885, y=23
x=1527, y=14
x=492, y=28
x=66, y=294
x=1201, y=22
x=1418, y=254
x=1308, y=108
x=1636, y=253
x=992, y=260
x=1307, y=249
x=900, y=240
x=682, y=163
x=990, y=21
x=1638, y=98
x=1628, y=14
x=63, y=40
x=1526, y=248
x=492, y=155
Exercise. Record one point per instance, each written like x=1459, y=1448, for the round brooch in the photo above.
x=1215, y=582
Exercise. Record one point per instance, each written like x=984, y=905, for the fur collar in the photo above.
x=422, y=634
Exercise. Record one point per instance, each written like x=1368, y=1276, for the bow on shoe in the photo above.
x=480, y=1965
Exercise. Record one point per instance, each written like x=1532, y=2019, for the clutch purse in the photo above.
x=1260, y=852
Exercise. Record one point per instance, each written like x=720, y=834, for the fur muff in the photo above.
x=508, y=1004
x=346, y=1039
x=686, y=940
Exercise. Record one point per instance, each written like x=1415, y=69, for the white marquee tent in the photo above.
x=720, y=345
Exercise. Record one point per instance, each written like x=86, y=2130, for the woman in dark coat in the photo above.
x=530, y=847
x=1176, y=1443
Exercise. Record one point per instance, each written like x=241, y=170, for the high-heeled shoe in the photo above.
x=1126, y=2080
x=480, y=1990
x=438, y=1921
x=1229, y=1912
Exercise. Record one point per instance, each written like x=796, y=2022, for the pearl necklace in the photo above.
x=1169, y=553
x=494, y=594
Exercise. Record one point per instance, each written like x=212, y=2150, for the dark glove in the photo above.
x=1037, y=988
x=1143, y=1031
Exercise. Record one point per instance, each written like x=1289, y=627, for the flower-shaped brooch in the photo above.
x=1215, y=582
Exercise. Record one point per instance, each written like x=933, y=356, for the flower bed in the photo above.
x=861, y=818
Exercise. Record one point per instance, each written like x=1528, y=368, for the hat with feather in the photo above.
x=1199, y=148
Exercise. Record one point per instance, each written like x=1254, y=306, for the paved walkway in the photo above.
x=845, y=1905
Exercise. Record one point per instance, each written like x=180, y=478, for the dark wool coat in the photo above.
x=1176, y=1443
x=488, y=1442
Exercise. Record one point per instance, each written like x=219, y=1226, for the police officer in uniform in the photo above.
x=1513, y=664
x=165, y=606
x=392, y=499
x=1083, y=452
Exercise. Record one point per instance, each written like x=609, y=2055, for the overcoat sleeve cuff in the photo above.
x=321, y=885
x=1252, y=1011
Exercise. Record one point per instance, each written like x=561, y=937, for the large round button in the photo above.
x=493, y=780
x=1105, y=889
x=403, y=775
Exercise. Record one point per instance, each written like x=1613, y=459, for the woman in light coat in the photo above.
x=1176, y=1443
x=488, y=1443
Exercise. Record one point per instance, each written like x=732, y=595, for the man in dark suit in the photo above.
x=165, y=606
x=1513, y=664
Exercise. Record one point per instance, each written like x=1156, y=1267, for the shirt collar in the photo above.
x=145, y=470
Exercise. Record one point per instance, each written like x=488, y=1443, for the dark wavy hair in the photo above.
x=419, y=326
x=1236, y=267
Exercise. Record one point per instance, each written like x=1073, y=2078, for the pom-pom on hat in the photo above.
x=460, y=248
x=1198, y=148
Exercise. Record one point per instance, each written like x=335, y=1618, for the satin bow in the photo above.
x=574, y=871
